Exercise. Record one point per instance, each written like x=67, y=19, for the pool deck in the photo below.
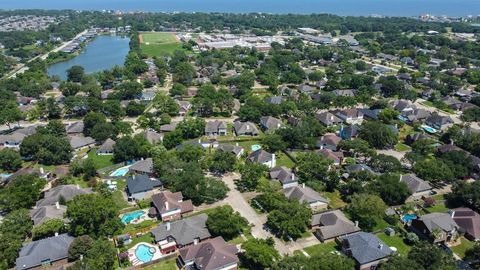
x=141, y=219
x=133, y=258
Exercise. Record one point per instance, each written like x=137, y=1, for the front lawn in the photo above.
x=321, y=248
x=395, y=241
x=464, y=246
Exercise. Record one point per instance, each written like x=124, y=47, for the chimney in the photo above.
x=166, y=205
x=78, y=186
x=380, y=246
x=42, y=171
x=303, y=185
x=236, y=144
x=56, y=234
x=195, y=241
x=452, y=213
x=356, y=223
x=57, y=205
x=168, y=226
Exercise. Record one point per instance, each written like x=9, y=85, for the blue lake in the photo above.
x=104, y=52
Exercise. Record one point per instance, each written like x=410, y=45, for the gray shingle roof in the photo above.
x=328, y=118
x=143, y=166
x=67, y=192
x=414, y=183
x=270, y=123
x=212, y=254
x=333, y=224
x=141, y=183
x=41, y=214
x=184, y=231
x=441, y=221
x=303, y=194
x=36, y=252
x=230, y=148
x=260, y=156
x=107, y=146
x=242, y=128
x=80, y=141
x=214, y=126
x=366, y=247
x=282, y=174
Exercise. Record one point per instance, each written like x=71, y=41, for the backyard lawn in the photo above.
x=284, y=160
x=147, y=238
x=321, y=248
x=395, y=241
x=439, y=207
x=460, y=249
x=169, y=264
x=335, y=201
x=100, y=161
x=400, y=147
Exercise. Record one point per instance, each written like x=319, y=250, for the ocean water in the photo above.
x=341, y=7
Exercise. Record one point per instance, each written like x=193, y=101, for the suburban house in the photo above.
x=366, y=249
x=349, y=132
x=51, y=253
x=351, y=116
x=270, y=124
x=371, y=114
x=306, y=195
x=12, y=140
x=181, y=233
x=106, y=148
x=418, y=187
x=144, y=166
x=276, y=100
x=328, y=119
x=141, y=187
x=184, y=107
x=41, y=214
x=413, y=115
x=78, y=142
x=306, y=89
x=216, y=128
x=230, y=148
x=245, y=129
x=329, y=141
x=356, y=168
x=336, y=157
x=63, y=192
x=284, y=175
x=169, y=206
x=263, y=157
x=439, y=122
x=344, y=92
x=213, y=254
x=332, y=224
x=75, y=128
x=152, y=136
x=435, y=227
x=468, y=221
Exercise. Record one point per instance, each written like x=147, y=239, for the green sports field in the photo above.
x=159, y=43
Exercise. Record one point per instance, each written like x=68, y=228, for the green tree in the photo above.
x=473, y=255
x=223, y=162
x=48, y=149
x=165, y=104
x=399, y=263
x=223, y=221
x=14, y=229
x=79, y=247
x=313, y=168
x=322, y=261
x=390, y=189
x=378, y=135
x=75, y=74
x=273, y=142
x=259, y=253
x=128, y=148
x=251, y=174
x=290, y=220
x=9, y=112
x=102, y=256
x=91, y=120
x=433, y=170
x=10, y=160
x=93, y=214
x=48, y=228
x=431, y=257
x=366, y=209
x=191, y=152
x=383, y=163
x=22, y=192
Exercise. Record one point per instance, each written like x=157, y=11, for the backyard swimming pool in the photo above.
x=429, y=129
x=120, y=171
x=409, y=217
x=144, y=253
x=256, y=147
x=129, y=217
